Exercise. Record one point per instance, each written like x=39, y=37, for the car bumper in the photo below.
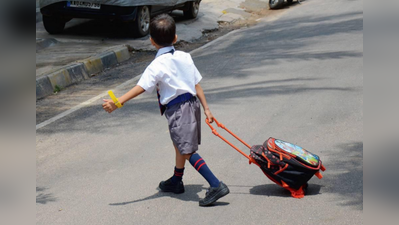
x=60, y=9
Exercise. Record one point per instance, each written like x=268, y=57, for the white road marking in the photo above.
x=86, y=103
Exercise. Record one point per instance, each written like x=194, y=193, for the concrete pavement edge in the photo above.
x=78, y=71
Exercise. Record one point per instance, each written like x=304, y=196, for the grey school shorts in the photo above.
x=184, y=120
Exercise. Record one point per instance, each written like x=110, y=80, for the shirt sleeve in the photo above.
x=197, y=74
x=149, y=79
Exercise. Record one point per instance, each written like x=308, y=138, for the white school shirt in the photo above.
x=174, y=74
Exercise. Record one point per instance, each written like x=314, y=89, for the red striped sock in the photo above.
x=178, y=175
x=199, y=164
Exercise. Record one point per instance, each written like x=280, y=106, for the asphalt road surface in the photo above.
x=296, y=77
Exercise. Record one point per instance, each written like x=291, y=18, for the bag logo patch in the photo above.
x=298, y=151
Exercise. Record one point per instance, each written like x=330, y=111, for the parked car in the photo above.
x=276, y=4
x=135, y=13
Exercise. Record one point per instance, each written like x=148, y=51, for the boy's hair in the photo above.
x=163, y=30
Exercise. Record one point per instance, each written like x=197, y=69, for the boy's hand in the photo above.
x=109, y=105
x=209, y=115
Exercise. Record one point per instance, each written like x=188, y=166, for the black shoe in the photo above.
x=214, y=193
x=168, y=186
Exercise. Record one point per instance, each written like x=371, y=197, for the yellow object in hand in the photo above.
x=116, y=101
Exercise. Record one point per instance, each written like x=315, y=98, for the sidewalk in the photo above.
x=76, y=55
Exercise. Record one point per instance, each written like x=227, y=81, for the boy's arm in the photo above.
x=201, y=97
x=110, y=106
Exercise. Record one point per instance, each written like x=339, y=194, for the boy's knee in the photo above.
x=188, y=156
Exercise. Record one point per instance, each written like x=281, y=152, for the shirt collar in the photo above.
x=164, y=50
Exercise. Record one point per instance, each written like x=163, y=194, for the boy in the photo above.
x=177, y=79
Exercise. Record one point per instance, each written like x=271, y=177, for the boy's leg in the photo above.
x=175, y=183
x=199, y=164
x=217, y=190
x=180, y=159
x=179, y=167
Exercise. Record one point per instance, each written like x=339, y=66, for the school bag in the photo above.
x=284, y=163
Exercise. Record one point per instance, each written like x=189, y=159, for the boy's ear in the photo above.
x=152, y=41
x=175, y=40
x=154, y=44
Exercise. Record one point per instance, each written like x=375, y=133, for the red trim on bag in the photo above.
x=294, y=193
x=285, y=185
x=268, y=160
x=281, y=154
x=322, y=167
x=318, y=175
x=252, y=160
x=298, y=193
x=282, y=169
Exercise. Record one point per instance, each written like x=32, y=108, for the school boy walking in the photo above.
x=176, y=79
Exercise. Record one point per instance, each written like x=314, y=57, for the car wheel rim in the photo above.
x=145, y=19
x=196, y=8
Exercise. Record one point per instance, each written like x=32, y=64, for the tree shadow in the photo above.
x=279, y=42
x=148, y=105
x=346, y=178
x=271, y=44
x=44, y=198
x=190, y=195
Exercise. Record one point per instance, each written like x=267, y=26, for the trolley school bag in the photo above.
x=286, y=164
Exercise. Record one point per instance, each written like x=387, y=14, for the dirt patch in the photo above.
x=225, y=27
x=254, y=8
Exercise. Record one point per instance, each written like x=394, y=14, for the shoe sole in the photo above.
x=175, y=192
x=223, y=192
x=181, y=191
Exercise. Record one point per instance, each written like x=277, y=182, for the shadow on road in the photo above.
x=278, y=43
x=344, y=175
x=274, y=44
x=143, y=107
x=275, y=190
x=190, y=195
x=42, y=197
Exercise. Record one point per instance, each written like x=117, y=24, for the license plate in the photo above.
x=80, y=4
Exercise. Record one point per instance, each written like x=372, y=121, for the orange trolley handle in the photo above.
x=223, y=127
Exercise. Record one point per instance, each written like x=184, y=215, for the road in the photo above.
x=297, y=76
x=83, y=38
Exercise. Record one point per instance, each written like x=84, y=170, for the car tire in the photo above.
x=290, y=1
x=140, y=27
x=53, y=25
x=275, y=4
x=191, y=10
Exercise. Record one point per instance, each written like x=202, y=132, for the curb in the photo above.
x=45, y=43
x=79, y=71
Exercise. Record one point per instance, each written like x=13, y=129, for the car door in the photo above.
x=158, y=9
